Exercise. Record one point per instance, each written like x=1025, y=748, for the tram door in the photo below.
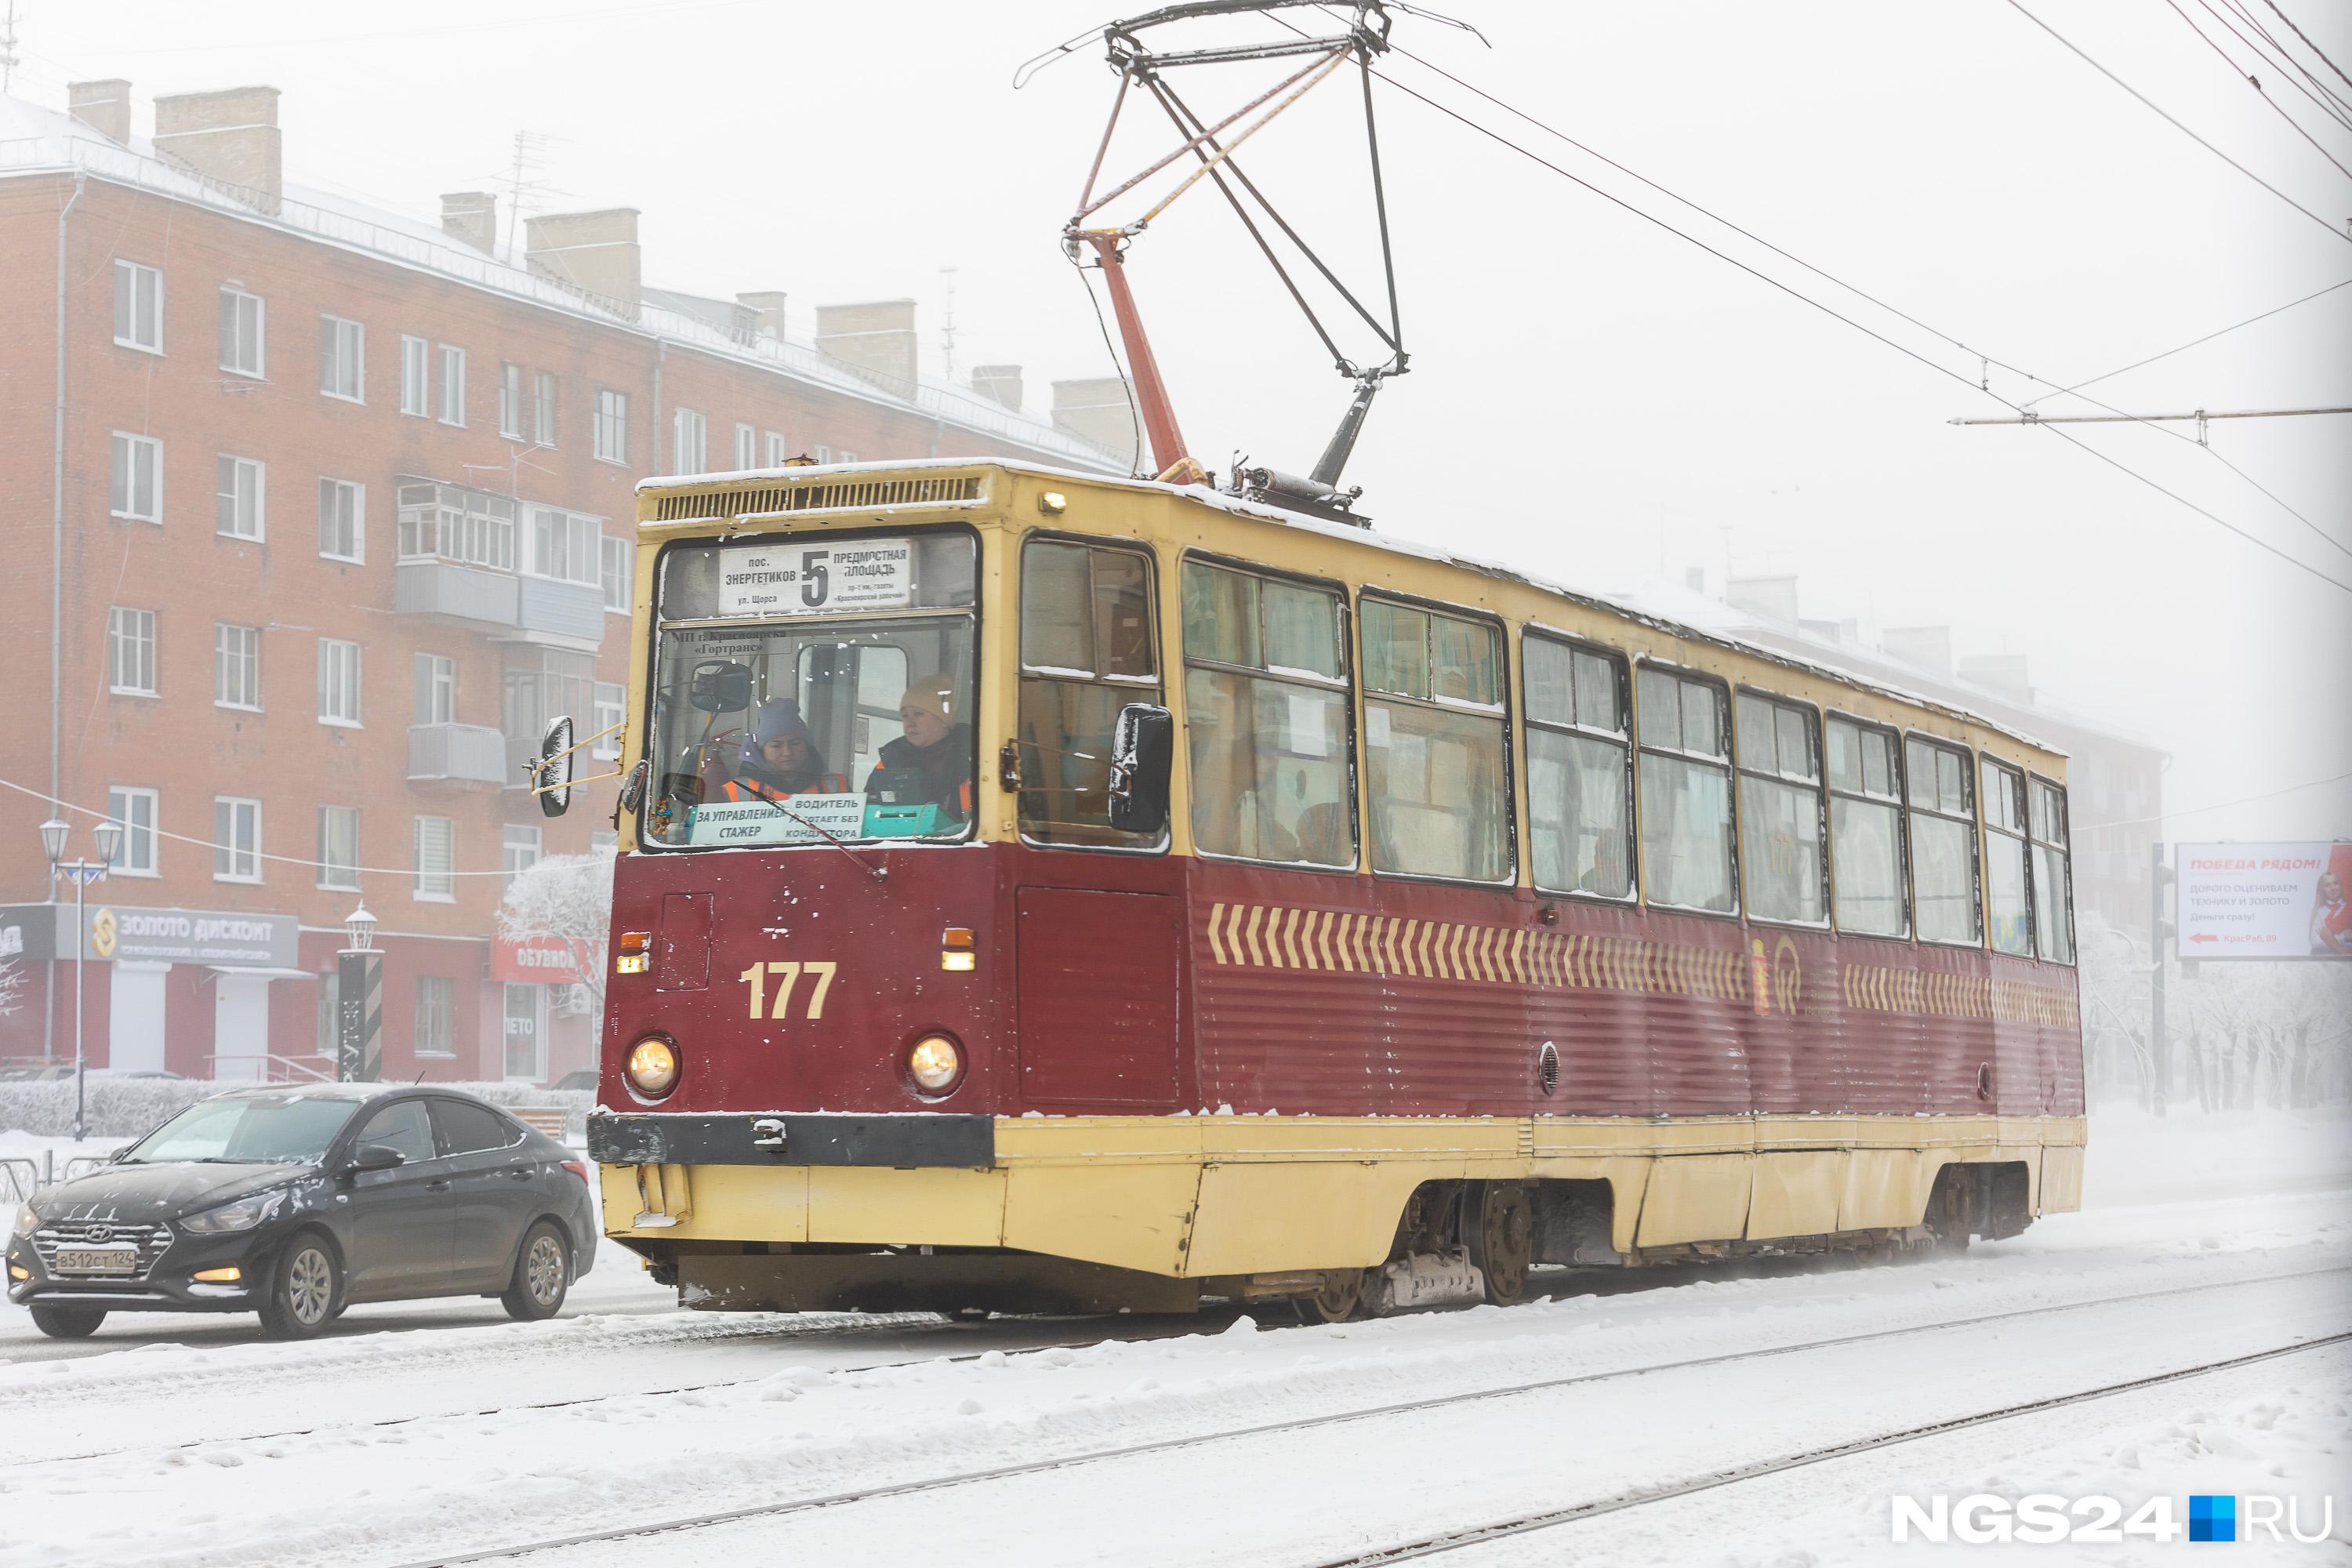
x=1097, y=999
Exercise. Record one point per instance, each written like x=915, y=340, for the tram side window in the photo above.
x=1781, y=867
x=1580, y=769
x=2053, y=905
x=1943, y=844
x=1685, y=774
x=1433, y=744
x=1266, y=718
x=1865, y=830
x=2003, y=792
x=1087, y=650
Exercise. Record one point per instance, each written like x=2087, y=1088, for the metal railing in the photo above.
x=19, y=1180
x=274, y=1068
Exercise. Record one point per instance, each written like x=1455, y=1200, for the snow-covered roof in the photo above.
x=36, y=140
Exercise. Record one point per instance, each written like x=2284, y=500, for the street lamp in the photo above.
x=107, y=838
x=360, y=927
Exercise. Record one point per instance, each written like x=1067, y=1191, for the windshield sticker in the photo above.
x=796, y=579
x=760, y=822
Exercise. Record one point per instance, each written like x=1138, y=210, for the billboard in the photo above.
x=2264, y=900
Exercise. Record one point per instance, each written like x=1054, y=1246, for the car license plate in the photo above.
x=98, y=1259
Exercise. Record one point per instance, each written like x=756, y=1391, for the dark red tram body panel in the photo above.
x=1131, y=985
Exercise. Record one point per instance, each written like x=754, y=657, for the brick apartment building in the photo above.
x=318, y=514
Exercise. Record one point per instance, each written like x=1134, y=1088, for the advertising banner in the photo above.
x=533, y=961
x=221, y=938
x=2264, y=900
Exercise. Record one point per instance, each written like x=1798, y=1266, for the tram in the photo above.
x=1047, y=891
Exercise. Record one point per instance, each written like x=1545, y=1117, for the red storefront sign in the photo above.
x=533, y=961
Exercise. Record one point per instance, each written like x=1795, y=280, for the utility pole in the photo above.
x=8, y=47
x=2160, y=1048
x=947, y=323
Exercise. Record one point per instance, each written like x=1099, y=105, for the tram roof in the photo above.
x=1267, y=513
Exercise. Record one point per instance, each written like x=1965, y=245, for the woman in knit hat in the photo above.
x=931, y=763
x=779, y=758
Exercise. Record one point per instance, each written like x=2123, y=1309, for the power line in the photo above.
x=2307, y=44
x=2216, y=806
x=2191, y=344
x=2019, y=7
x=2326, y=96
x=2255, y=82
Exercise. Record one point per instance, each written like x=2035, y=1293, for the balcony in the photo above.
x=465, y=756
x=569, y=613
x=483, y=601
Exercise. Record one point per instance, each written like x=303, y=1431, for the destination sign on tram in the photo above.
x=796, y=579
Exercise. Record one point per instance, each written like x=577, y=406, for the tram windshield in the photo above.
x=816, y=691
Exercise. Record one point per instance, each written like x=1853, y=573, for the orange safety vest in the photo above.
x=751, y=789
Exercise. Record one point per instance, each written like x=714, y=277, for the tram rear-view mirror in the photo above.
x=1141, y=751
x=720, y=686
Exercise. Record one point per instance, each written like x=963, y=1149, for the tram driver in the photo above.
x=779, y=758
x=931, y=763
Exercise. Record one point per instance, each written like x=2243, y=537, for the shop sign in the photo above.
x=223, y=939
x=533, y=961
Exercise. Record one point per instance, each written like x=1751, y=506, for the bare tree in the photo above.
x=12, y=980
x=568, y=899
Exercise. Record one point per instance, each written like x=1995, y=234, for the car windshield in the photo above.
x=260, y=1130
x=818, y=690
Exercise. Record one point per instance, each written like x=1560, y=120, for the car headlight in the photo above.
x=242, y=1215
x=935, y=1064
x=26, y=1220
x=652, y=1068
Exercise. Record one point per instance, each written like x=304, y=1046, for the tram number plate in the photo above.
x=98, y=1259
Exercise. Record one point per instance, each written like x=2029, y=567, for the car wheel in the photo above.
x=306, y=1290
x=543, y=1273
x=69, y=1322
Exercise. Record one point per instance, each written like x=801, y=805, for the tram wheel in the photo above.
x=1948, y=1218
x=1340, y=1299
x=1498, y=1221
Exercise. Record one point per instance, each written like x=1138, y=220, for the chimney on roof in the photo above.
x=229, y=137
x=767, y=307
x=103, y=106
x=1927, y=649
x=876, y=339
x=593, y=252
x=998, y=383
x=2004, y=673
x=1768, y=598
x=1097, y=409
x=471, y=217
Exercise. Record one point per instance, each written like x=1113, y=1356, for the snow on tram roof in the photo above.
x=1656, y=619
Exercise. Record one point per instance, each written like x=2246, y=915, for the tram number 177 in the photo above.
x=820, y=974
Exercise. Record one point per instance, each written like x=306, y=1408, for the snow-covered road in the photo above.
x=2204, y=1240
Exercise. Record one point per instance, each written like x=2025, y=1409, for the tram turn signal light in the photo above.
x=956, y=954
x=935, y=1064
x=631, y=959
x=652, y=1068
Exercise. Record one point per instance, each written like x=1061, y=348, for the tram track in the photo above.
x=1431, y=1545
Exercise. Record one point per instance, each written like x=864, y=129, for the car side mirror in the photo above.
x=115, y=1158
x=1142, y=750
x=374, y=1157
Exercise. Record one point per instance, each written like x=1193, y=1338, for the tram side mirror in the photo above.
x=720, y=686
x=550, y=776
x=1142, y=749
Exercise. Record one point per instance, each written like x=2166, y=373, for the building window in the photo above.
x=519, y=852
x=138, y=306
x=1087, y=650
x=437, y=689
x=415, y=372
x=435, y=837
x=453, y=385
x=236, y=839
x=821, y=453
x=612, y=432
x=1686, y=785
x=339, y=848
x=1266, y=695
x=339, y=683
x=238, y=497
x=511, y=401
x=611, y=695
x=342, y=512
x=138, y=492
x=1781, y=870
x=449, y=523
x=130, y=652
x=1865, y=830
x=1434, y=743
x=543, y=408
x=1943, y=844
x=746, y=446
x=2054, y=908
x=236, y=666
x=563, y=545
x=777, y=450
x=1580, y=769
x=136, y=810
x=690, y=444
x=845, y=456
x=2002, y=789
x=240, y=333
x=436, y=1015
x=343, y=359
x=613, y=571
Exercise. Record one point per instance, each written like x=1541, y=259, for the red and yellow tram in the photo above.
x=1435, y=924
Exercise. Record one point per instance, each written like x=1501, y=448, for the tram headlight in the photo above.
x=935, y=1063
x=652, y=1067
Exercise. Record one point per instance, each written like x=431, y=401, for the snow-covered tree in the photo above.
x=12, y=980
x=567, y=898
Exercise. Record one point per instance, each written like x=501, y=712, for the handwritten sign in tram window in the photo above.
x=799, y=579
x=757, y=822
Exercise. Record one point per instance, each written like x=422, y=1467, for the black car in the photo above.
x=294, y=1201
